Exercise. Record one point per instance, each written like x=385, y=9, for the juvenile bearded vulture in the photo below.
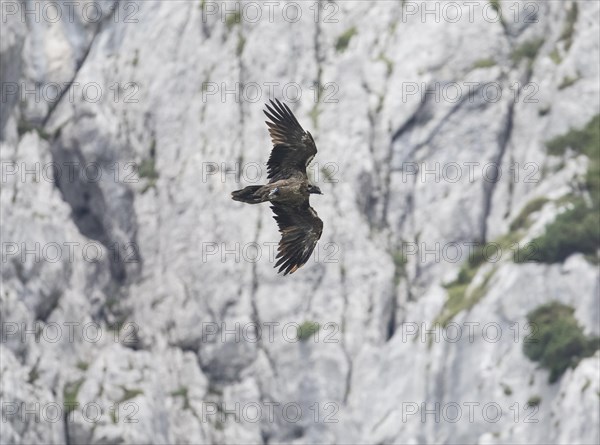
x=288, y=189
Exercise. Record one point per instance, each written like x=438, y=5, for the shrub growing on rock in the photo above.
x=557, y=341
x=578, y=228
x=307, y=329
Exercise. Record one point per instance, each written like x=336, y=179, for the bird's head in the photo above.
x=314, y=189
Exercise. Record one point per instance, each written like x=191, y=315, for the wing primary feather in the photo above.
x=300, y=229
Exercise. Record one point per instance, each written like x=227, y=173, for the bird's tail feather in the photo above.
x=249, y=195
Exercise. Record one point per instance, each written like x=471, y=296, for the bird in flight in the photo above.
x=288, y=189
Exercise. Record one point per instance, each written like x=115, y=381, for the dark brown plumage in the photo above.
x=288, y=188
x=293, y=148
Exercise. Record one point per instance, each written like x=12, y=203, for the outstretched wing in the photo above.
x=293, y=148
x=300, y=229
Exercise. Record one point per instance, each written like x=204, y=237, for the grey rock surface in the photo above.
x=140, y=296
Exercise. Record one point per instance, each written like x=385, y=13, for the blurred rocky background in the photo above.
x=454, y=295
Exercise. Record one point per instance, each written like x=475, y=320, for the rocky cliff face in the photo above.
x=139, y=302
